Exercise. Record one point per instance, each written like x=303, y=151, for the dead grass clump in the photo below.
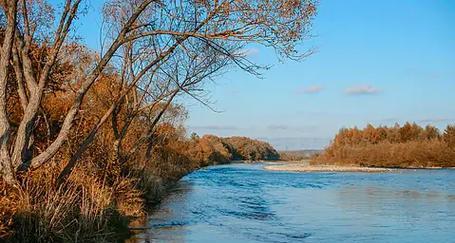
x=81, y=210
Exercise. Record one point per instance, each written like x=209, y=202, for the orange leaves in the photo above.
x=399, y=146
x=449, y=136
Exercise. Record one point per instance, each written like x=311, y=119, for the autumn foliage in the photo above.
x=249, y=149
x=404, y=146
x=211, y=149
x=88, y=138
x=103, y=191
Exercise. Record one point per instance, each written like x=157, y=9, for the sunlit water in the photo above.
x=245, y=203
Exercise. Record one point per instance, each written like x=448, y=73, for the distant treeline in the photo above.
x=298, y=155
x=211, y=149
x=409, y=145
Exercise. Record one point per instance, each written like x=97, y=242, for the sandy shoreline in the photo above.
x=305, y=167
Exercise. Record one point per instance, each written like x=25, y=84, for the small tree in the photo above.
x=194, y=136
x=449, y=136
x=431, y=132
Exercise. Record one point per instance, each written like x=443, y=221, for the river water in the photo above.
x=245, y=203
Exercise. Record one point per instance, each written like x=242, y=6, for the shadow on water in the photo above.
x=244, y=203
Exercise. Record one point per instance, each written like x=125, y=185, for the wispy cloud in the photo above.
x=297, y=143
x=282, y=127
x=278, y=127
x=362, y=90
x=313, y=89
x=389, y=120
x=248, y=52
x=214, y=128
x=436, y=120
x=252, y=51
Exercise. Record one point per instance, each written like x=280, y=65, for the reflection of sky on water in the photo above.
x=243, y=203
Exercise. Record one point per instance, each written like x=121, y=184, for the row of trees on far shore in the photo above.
x=409, y=145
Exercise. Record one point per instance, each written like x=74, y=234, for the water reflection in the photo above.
x=244, y=203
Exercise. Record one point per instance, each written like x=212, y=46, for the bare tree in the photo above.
x=160, y=49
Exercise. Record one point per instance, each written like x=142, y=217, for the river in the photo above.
x=245, y=203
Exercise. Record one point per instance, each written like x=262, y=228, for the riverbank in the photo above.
x=306, y=167
x=103, y=200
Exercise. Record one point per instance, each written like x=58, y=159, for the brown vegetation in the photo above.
x=211, y=149
x=87, y=139
x=248, y=149
x=101, y=195
x=399, y=146
x=298, y=155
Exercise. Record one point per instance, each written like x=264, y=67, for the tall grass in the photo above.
x=101, y=197
x=81, y=210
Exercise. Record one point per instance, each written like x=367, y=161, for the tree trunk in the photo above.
x=6, y=171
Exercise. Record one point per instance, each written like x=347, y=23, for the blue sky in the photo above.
x=376, y=62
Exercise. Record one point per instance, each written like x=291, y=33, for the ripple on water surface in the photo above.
x=244, y=203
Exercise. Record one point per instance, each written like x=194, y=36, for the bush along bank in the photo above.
x=101, y=198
